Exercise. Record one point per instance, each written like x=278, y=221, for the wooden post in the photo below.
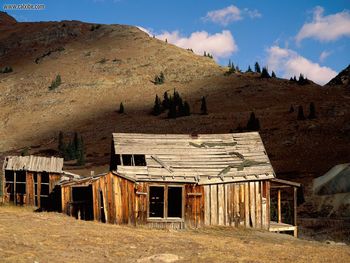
x=14, y=187
x=295, y=211
x=279, y=205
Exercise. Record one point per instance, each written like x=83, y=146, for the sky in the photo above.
x=289, y=37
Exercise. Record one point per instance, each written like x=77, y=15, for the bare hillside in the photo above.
x=103, y=65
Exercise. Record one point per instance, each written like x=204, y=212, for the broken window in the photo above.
x=156, y=201
x=140, y=160
x=127, y=159
x=174, y=201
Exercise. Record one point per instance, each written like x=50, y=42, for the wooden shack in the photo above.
x=31, y=180
x=178, y=181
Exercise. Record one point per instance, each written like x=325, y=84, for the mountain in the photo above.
x=343, y=78
x=101, y=66
x=6, y=20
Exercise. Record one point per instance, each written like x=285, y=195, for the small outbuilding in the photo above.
x=31, y=180
x=178, y=181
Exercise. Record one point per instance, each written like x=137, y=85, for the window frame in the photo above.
x=165, y=217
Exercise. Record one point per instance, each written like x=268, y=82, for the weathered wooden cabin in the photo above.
x=31, y=180
x=178, y=181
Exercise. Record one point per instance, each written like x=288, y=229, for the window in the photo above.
x=172, y=202
x=156, y=201
x=140, y=160
x=127, y=159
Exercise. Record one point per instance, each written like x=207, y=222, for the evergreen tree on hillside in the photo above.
x=312, y=113
x=273, y=75
x=265, y=74
x=121, y=108
x=61, y=144
x=253, y=123
x=291, y=109
x=301, y=115
x=257, y=67
x=187, y=111
x=172, y=108
x=157, y=109
x=249, y=69
x=165, y=102
x=80, y=152
x=204, y=110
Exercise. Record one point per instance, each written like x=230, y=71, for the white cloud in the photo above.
x=220, y=45
x=326, y=28
x=324, y=54
x=230, y=14
x=289, y=63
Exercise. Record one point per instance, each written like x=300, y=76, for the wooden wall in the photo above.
x=29, y=196
x=126, y=202
x=239, y=204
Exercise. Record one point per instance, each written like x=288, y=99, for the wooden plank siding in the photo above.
x=237, y=204
x=127, y=202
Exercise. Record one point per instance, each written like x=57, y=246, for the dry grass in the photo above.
x=50, y=237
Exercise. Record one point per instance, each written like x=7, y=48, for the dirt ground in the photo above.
x=26, y=236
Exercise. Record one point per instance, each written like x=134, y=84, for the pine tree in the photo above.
x=273, y=75
x=121, y=108
x=205, y=54
x=265, y=73
x=187, y=111
x=81, y=152
x=253, y=123
x=295, y=79
x=257, y=67
x=204, y=110
x=172, y=108
x=76, y=145
x=61, y=145
x=312, y=113
x=181, y=108
x=165, y=102
x=249, y=69
x=70, y=151
x=291, y=109
x=157, y=109
x=301, y=113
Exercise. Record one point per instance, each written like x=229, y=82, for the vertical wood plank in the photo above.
x=207, y=205
x=221, y=201
x=213, y=204
x=268, y=203
x=257, y=205
x=263, y=205
x=252, y=203
x=279, y=206
x=246, y=205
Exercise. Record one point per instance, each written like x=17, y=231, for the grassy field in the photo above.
x=26, y=236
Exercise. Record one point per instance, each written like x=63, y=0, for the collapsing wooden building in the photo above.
x=178, y=181
x=31, y=180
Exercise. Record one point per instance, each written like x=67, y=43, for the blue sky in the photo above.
x=290, y=37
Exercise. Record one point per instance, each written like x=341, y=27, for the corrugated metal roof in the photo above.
x=33, y=163
x=202, y=159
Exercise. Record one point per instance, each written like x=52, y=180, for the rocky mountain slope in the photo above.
x=343, y=78
x=104, y=65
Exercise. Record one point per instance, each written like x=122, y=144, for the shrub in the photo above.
x=7, y=69
x=55, y=83
x=159, y=79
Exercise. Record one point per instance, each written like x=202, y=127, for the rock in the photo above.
x=167, y=258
